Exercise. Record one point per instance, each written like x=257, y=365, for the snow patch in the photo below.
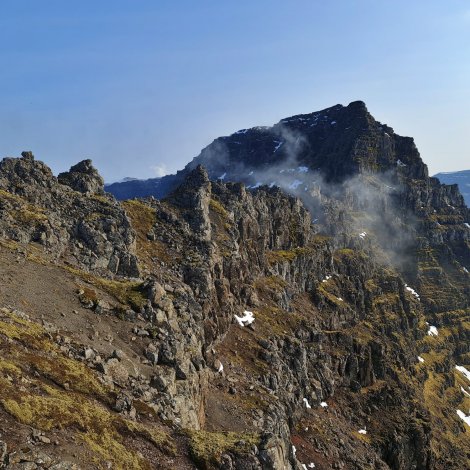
x=362, y=431
x=400, y=163
x=247, y=319
x=324, y=404
x=327, y=278
x=220, y=369
x=307, y=404
x=464, y=371
x=465, y=392
x=278, y=146
x=362, y=235
x=464, y=417
x=467, y=225
x=221, y=177
x=333, y=122
x=420, y=359
x=302, y=169
x=410, y=289
x=432, y=331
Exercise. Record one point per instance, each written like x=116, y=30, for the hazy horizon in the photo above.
x=142, y=88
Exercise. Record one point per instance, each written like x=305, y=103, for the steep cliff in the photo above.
x=247, y=328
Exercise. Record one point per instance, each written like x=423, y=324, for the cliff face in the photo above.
x=357, y=282
x=460, y=178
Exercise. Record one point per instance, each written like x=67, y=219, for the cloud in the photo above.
x=160, y=170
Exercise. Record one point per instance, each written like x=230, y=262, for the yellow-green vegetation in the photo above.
x=216, y=206
x=61, y=393
x=280, y=256
x=143, y=218
x=274, y=283
x=207, y=447
x=21, y=210
x=344, y=254
x=28, y=216
x=125, y=292
x=100, y=198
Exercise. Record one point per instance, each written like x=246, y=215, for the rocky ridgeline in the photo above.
x=357, y=282
x=69, y=215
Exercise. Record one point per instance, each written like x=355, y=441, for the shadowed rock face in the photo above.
x=337, y=143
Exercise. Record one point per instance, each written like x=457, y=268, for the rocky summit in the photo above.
x=296, y=297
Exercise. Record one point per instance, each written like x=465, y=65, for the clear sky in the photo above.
x=140, y=86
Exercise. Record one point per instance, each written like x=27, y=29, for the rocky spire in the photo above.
x=83, y=177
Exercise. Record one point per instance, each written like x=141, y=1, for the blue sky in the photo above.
x=141, y=86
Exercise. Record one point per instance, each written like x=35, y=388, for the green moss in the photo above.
x=126, y=292
x=279, y=256
x=207, y=447
x=82, y=409
x=216, y=206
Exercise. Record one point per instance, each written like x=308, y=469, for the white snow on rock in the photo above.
x=324, y=404
x=257, y=185
x=302, y=169
x=466, y=270
x=464, y=417
x=279, y=145
x=221, y=177
x=307, y=404
x=327, y=278
x=295, y=184
x=294, y=450
x=465, y=392
x=362, y=235
x=362, y=431
x=340, y=299
x=467, y=225
x=464, y=371
x=311, y=465
x=400, y=163
x=220, y=369
x=250, y=173
x=420, y=359
x=432, y=331
x=242, y=131
x=410, y=289
x=247, y=318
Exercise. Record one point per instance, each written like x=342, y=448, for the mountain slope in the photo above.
x=360, y=294
x=460, y=178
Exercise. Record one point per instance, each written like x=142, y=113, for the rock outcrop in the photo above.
x=315, y=322
x=91, y=229
x=83, y=177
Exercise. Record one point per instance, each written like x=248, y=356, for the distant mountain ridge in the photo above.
x=335, y=142
x=461, y=178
